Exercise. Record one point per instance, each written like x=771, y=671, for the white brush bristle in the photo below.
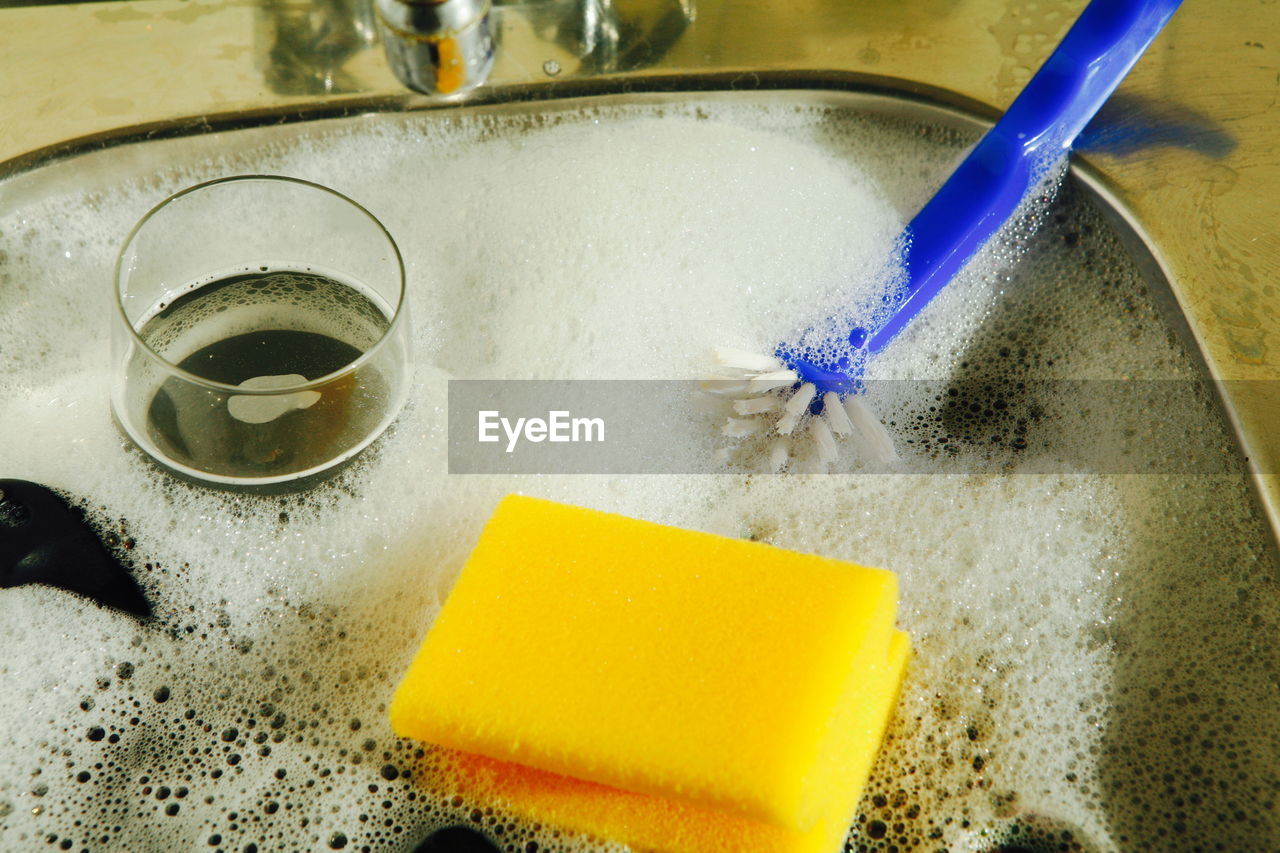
x=823, y=440
x=774, y=379
x=757, y=405
x=835, y=414
x=756, y=385
x=779, y=453
x=748, y=361
x=795, y=407
x=875, y=439
x=740, y=427
x=723, y=387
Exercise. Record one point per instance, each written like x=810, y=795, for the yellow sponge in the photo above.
x=649, y=823
x=705, y=680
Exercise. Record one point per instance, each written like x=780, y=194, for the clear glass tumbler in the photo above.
x=260, y=337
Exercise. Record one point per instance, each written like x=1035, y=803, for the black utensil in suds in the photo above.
x=44, y=539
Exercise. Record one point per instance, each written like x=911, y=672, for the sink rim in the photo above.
x=851, y=83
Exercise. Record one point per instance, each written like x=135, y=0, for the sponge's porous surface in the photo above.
x=662, y=687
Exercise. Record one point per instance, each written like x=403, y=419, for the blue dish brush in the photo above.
x=1010, y=160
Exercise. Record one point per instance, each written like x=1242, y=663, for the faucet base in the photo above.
x=441, y=48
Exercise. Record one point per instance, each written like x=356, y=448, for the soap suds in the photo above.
x=1093, y=654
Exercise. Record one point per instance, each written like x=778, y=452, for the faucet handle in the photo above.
x=438, y=47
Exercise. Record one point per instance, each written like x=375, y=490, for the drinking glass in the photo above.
x=260, y=336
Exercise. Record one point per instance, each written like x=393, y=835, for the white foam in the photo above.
x=621, y=244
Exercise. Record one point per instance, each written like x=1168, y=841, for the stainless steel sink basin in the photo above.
x=1190, y=158
x=1183, y=171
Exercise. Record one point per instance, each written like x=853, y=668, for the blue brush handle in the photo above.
x=984, y=190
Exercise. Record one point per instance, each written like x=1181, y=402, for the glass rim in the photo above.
x=397, y=310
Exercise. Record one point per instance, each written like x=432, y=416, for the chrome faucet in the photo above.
x=440, y=47
x=446, y=47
